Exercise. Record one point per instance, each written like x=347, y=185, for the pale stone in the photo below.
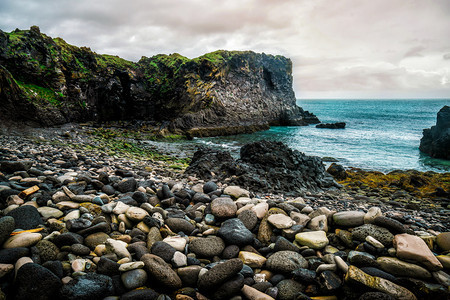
x=411, y=247
x=136, y=214
x=25, y=239
x=179, y=259
x=319, y=223
x=120, y=208
x=253, y=294
x=312, y=239
x=398, y=292
x=443, y=241
x=14, y=200
x=75, y=214
x=131, y=266
x=373, y=212
x=299, y=218
x=223, y=207
x=341, y=264
x=320, y=211
x=63, y=205
x=236, y=192
x=326, y=267
x=177, y=242
x=251, y=259
x=20, y=262
x=117, y=247
x=60, y=196
x=280, y=221
x=398, y=267
x=374, y=242
x=50, y=212
x=124, y=260
x=260, y=209
x=6, y=269
x=349, y=218
x=79, y=265
x=143, y=227
x=243, y=208
x=123, y=218
x=68, y=192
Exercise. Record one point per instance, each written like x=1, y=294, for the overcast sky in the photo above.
x=339, y=48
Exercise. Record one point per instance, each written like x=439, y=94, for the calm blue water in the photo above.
x=381, y=135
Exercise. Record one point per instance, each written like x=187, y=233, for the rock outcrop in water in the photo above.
x=225, y=92
x=436, y=140
x=263, y=166
x=337, y=125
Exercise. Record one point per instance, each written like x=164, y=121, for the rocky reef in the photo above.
x=265, y=166
x=49, y=81
x=436, y=140
x=337, y=125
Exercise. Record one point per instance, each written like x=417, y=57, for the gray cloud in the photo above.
x=364, y=47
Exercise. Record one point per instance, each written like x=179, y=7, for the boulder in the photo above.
x=436, y=140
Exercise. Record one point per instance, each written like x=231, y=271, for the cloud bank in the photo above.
x=383, y=48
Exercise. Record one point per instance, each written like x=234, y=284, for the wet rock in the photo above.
x=312, y=239
x=161, y=272
x=443, y=241
x=134, y=278
x=410, y=247
x=251, y=259
x=286, y=261
x=349, y=218
x=207, y=247
x=7, y=225
x=179, y=225
x=223, y=207
x=381, y=234
x=89, y=286
x=398, y=267
x=288, y=289
x=36, y=282
x=233, y=231
x=356, y=275
x=218, y=274
x=26, y=217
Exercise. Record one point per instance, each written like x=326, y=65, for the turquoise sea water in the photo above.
x=381, y=135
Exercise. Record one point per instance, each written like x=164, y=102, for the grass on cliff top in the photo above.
x=105, y=61
x=123, y=143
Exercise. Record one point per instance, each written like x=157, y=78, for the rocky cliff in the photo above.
x=51, y=82
x=436, y=140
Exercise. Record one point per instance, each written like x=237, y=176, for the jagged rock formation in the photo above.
x=263, y=166
x=224, y=92
x=337, y=125
x=436, y=140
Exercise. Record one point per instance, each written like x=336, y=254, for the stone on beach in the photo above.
x=410, y=247
x=312, y=239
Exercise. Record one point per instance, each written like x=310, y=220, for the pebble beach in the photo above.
x=82, y=224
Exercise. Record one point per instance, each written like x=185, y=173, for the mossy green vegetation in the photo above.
x=419, y=184
x=39, y=94
x=105, y=61
x=128, y=143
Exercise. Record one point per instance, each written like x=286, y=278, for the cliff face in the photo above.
x=52, y=82
x=436, y=140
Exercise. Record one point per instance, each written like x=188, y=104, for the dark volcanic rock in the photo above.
x=233, y=231
x=26, y=217
x=34, y=281
x=86, y=287
x=11, y=255
x=337, y=171
x=7, y=225
x=218, y=274
x=436, y=140
x=338, y=125
x=191, y=95
x=265, y=166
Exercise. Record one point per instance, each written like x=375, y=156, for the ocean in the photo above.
x=381, y=135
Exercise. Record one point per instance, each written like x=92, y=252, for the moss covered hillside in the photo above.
x=48, y=81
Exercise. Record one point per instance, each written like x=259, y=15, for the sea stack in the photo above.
x=436, y=140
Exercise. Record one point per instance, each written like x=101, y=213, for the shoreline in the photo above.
x=137, y=215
